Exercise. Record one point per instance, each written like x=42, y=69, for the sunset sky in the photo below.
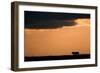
x=72, y=34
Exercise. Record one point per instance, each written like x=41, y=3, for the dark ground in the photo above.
x=62, y=57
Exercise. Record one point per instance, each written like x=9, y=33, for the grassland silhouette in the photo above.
x=75, y=55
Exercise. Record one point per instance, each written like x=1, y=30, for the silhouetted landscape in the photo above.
x=62, y=57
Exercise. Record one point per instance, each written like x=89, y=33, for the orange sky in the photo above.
x=60, y=41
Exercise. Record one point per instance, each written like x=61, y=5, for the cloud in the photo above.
x=50, y=24
x=51, y=20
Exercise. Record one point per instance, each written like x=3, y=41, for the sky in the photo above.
x=72, y=34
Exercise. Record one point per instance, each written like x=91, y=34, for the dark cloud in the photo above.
x=46, y=20
x=50, y=24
